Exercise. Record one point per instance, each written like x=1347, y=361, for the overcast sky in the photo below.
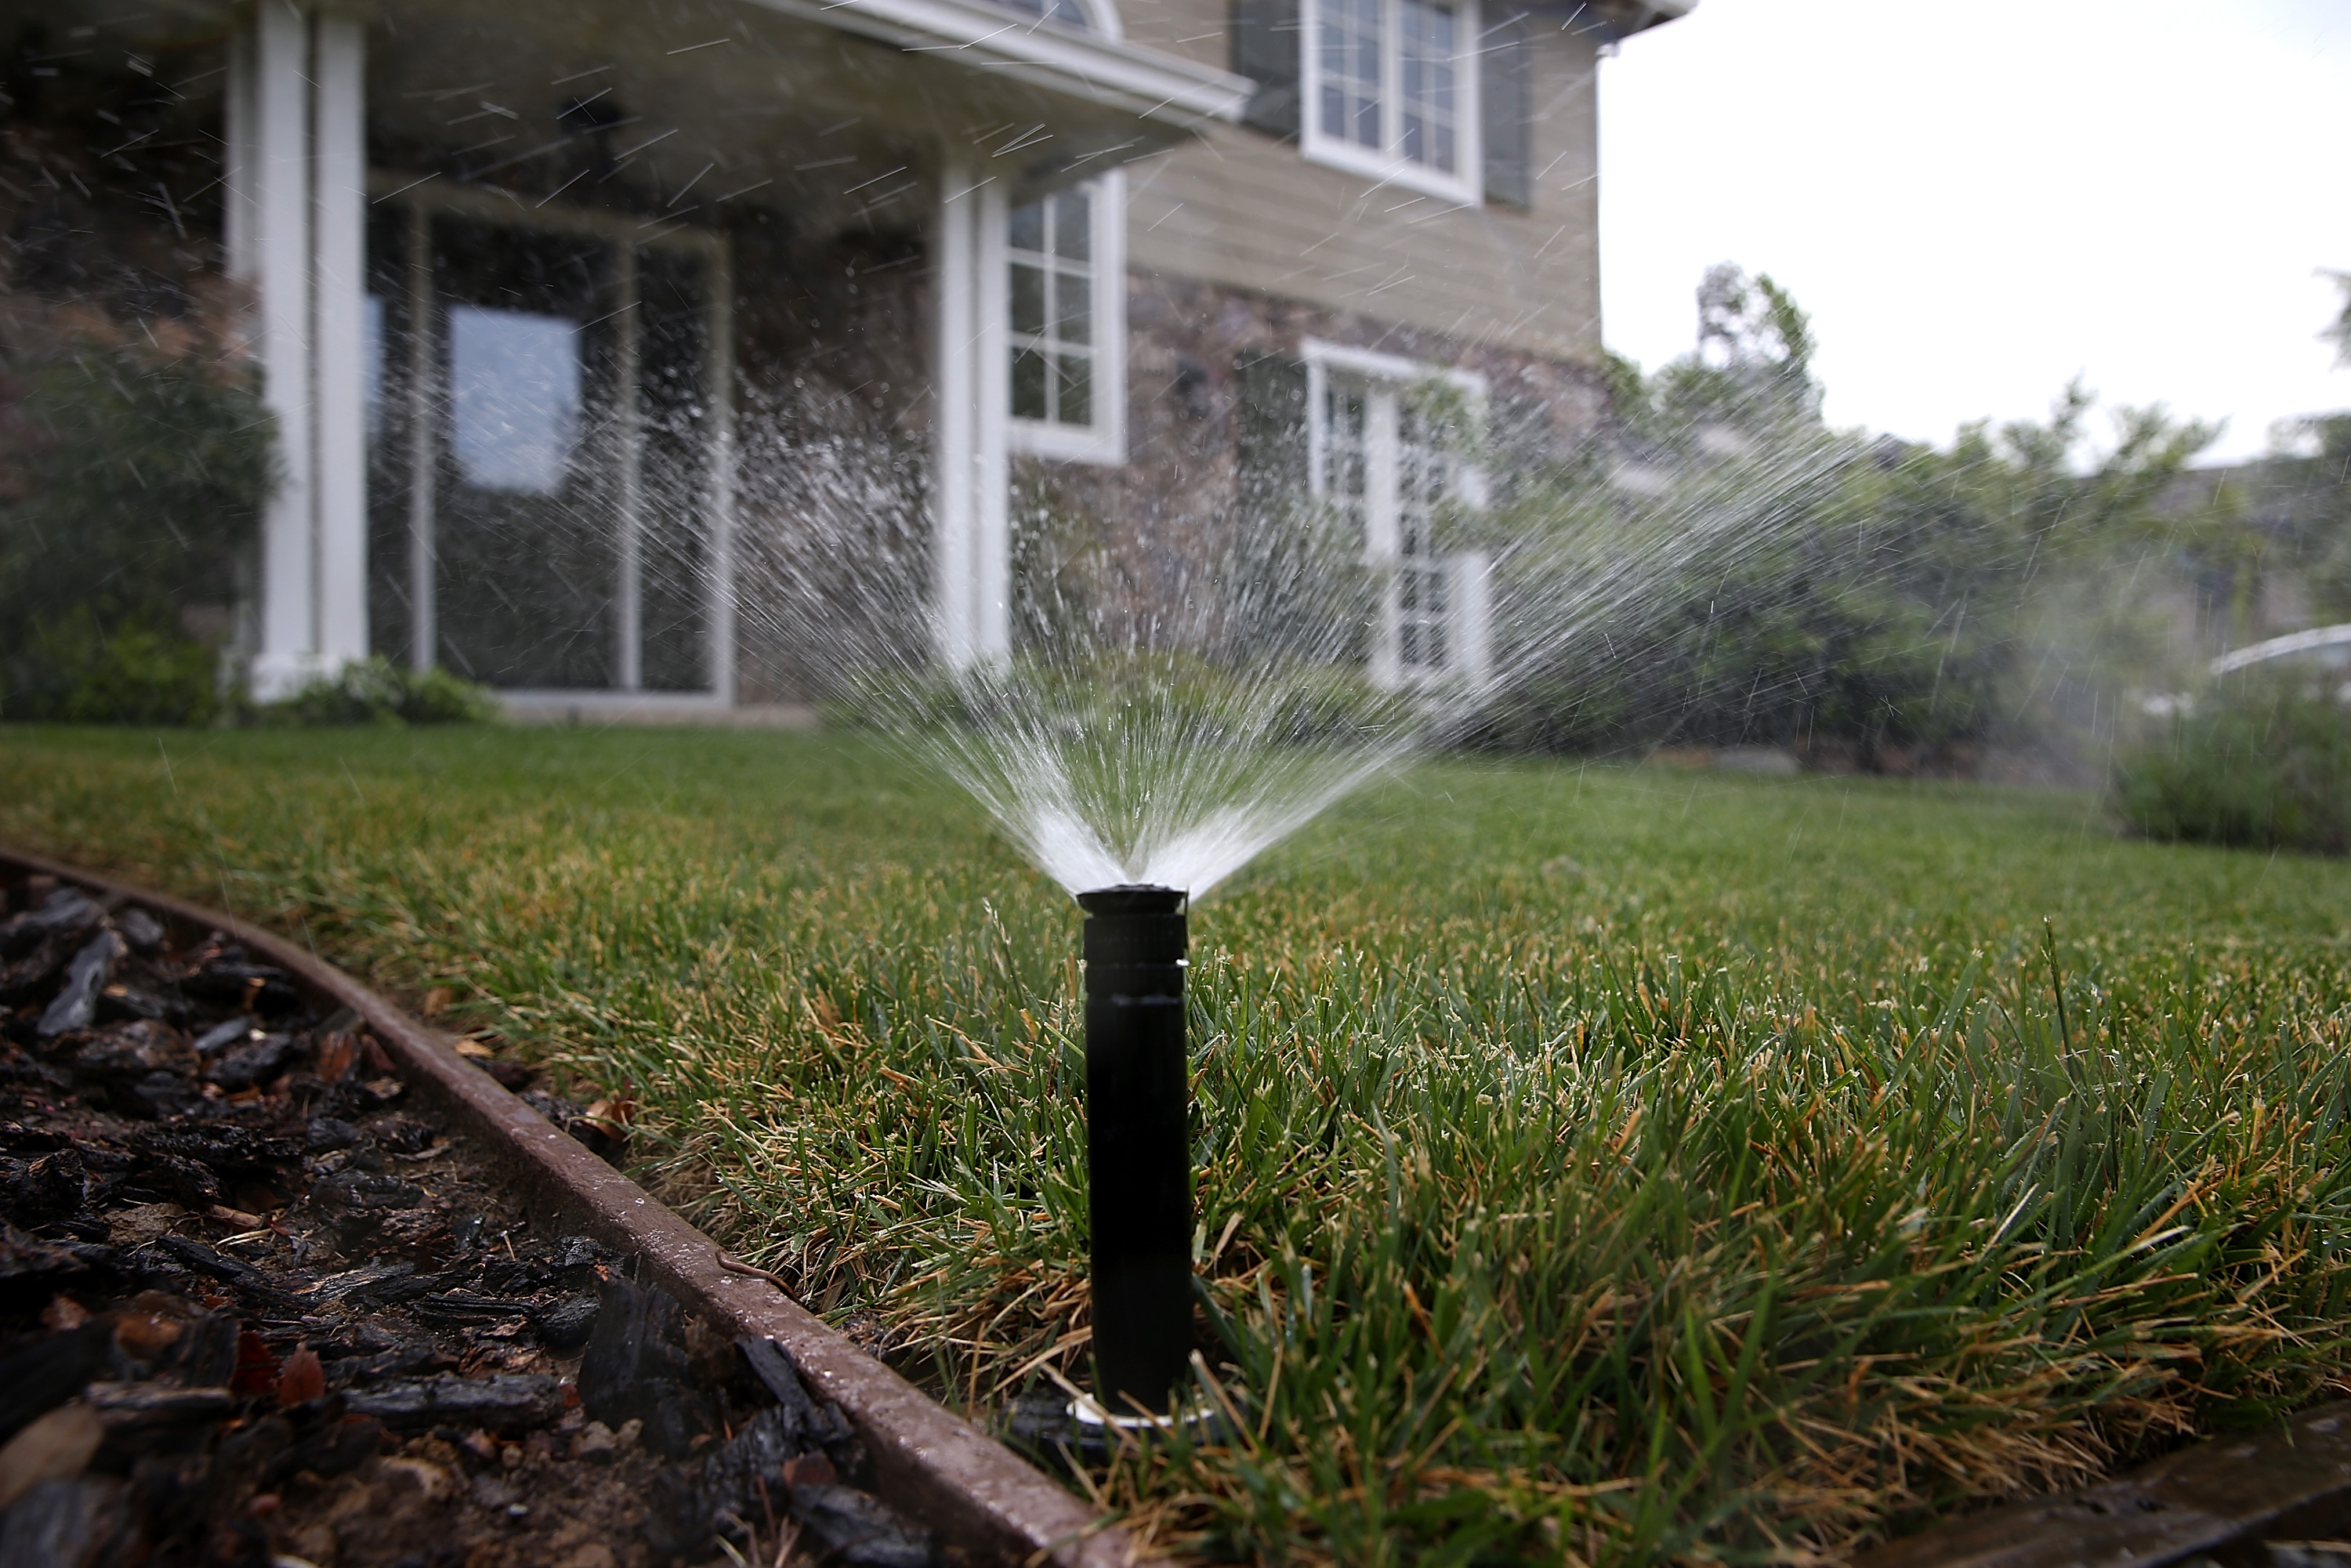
x=1975, y=202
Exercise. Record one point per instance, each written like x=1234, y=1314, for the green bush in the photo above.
x=2262, y=762
x=69, y=669
x=374, y=691
x=130, y=483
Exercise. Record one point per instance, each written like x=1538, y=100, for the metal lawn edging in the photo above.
x=976, y=1493
x=2218, y=1498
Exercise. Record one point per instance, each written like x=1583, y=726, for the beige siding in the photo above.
x=1239, y=209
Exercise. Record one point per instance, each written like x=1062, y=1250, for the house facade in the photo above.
x=644, y=356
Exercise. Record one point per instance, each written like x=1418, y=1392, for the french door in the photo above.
x=1387, y=475
x=550, y=418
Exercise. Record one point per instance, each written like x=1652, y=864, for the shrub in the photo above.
x=2262, y=762
x=130, y=484
x=374, y=691
x=69, y=669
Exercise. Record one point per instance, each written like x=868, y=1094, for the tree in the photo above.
x=1728, y=569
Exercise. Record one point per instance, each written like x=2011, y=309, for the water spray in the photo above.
x=1138, y=1146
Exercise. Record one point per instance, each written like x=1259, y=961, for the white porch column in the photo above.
x=954, y=414
x=991, y=471
x=304, y=167
x=970, y=511
x=338, y=304
x=1473, y=617
x=280, y=239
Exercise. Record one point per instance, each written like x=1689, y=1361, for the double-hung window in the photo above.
x=1389, y=90
x=1386, y=466
x=1065, y=299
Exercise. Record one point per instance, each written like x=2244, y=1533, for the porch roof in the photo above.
x=830, y=109
x=840, y=113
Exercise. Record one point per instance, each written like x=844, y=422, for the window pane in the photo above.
x=371, y=325
x=1077, y=390
x=1349, y=62
x=1344, y=412
x=1053, y=310
x=1073, y=233
x=1027, y=230
x=1426, y=58
x=514, y=384
x=1028, y=384
x=1073, y=307
x=1028, y=298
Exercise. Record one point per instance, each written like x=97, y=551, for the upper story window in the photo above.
x=1389, y=90
x=1434, y=95
x=1064, y=260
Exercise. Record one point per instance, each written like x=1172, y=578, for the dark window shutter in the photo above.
x=1506, y=111
x=1265, y=50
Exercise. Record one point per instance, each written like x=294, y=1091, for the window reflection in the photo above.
x=515, y=395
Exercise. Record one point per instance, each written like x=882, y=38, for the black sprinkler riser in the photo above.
x=1138, y=1145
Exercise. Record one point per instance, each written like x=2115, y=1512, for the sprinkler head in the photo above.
x=1138, y=1145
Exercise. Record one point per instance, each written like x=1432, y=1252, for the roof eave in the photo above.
x=1615, y=19
x=1097, y=69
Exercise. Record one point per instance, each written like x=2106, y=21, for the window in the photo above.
x=1379, y=461
x=1390, y=91
x=1065, y=301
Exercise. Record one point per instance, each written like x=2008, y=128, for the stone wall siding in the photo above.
x=1173, y=508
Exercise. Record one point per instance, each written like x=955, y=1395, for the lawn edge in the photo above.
x=2220, y=1498
x=979, y=1494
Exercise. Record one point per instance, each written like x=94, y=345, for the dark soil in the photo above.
x=259, y=1303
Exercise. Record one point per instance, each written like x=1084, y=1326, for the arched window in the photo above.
x=1068, y=13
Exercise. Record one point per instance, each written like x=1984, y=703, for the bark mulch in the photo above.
x=259, y=1306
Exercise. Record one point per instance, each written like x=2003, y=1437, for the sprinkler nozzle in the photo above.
x=1138, y=1145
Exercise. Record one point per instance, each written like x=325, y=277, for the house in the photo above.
x=642, y=353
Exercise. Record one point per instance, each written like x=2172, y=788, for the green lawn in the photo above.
x=1594, y=1162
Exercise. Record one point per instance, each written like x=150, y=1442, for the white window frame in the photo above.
x=1387, y=378
x=1104, y=440
x=1386, y=163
